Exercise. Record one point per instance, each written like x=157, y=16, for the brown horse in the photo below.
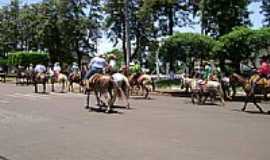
x=254, y=86
x=75, y=77
x=237, y=80
x=102, y=85
x=142, y=82
x=60, y=78
x=40, y=78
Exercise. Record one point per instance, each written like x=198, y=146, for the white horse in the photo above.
x=207, y=89
x=124, y=87
x=186, y=82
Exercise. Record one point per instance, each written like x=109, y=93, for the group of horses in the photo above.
x=226, y=88
x=107, y=87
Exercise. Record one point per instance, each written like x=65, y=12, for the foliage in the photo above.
x=219, y=18
x=168, y=14
x=3, y=61
x=186, y=47
x=119, y=55
x=266, y=12
x=26, y=58
x=167, y=83
x=242, y=44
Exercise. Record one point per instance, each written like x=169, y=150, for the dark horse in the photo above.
x=75, y=77
x=256, y=85
x=40, y=78
x=142, y=82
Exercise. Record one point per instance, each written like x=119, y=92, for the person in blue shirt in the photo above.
x=96, y=65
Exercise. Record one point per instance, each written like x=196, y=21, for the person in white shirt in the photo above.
x=40, y=68
x=56, y=67
x=96, y=65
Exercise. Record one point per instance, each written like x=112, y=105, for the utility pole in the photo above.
x=127, y=44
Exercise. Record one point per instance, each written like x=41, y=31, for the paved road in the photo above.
x=57, y=127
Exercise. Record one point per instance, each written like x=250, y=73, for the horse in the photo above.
x=142, y=82
x=58, y=78
x=200, y=89
x=235, y=81
x=102, y=85
x=40, y=78
x=123, y=87
x=185, y=82
x=75, y=77
x=253, y=86
x=21, y=77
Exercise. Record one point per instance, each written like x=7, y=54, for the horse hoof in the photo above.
x=87, y=107
x=243, y=110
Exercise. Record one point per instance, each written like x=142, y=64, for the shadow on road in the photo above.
x=3, y=158
x=253, y=112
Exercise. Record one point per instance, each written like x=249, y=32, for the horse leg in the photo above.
x=36, y=88
x=246, y=102
x=257, y=105
x=63, y=86
x=52, y=82
x=221, y=95
x=193, y=94
x=97, y=97
x=147, y=91
x=234, y=90
x=44, y=87
x=69, y=86
x=110, y=101
x=88, y=100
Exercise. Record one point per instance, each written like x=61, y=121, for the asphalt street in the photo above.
x=56, y=126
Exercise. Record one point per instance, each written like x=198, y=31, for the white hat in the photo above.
x=132, y=63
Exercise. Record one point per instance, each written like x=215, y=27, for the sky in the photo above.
x=104, y=45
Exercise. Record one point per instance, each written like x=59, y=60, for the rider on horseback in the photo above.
x=56, y=69
x=39, y=69
x=74, y=67
x=263, y=72
x=96, y=65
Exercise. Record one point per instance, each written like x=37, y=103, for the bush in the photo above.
x=3, y=62
x=167, y=83
x=25, y=58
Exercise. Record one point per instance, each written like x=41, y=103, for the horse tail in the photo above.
x=221, y=93
x=116, y=88
x=153, y=83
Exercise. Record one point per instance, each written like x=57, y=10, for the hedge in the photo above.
x=25, y=58
x=3, y=62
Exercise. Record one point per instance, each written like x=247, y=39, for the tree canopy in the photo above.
x=186, y=47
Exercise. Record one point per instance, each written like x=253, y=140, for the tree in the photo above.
x=186, y=47
x=168, y=13
x=242, y=44
x=266, y=12
x=119, y=55
x=219, y=18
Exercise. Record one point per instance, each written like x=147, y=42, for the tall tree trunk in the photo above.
x=171, y=21
x=124, y=43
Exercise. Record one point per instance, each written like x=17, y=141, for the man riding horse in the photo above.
x=103, y=85
x=39, y=76
x=96, y=65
